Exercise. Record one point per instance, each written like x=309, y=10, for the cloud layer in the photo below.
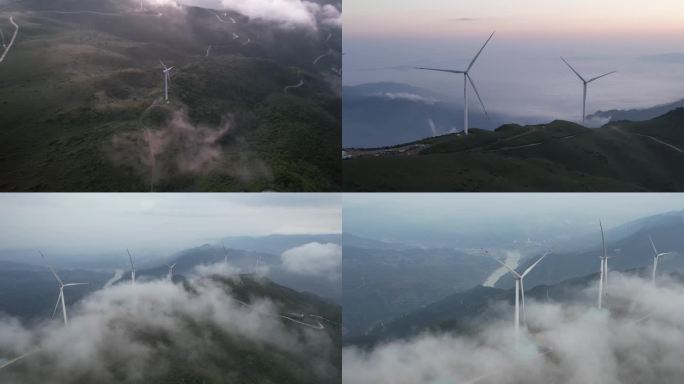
x=149, y=332
x=314, y=259
x=288, y=13
x=638, y=341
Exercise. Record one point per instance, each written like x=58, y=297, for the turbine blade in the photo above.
x=531, y=267
x=603, y=240
x=51, y=269
x=573, y=69
x=74, y=284
x=598, y=77
x=472, y=83
x=162, y=63
x=441, y=70
x=509, y=268
x=130, y=258
x=480, y=51
x=653, y=245
x=57, y=305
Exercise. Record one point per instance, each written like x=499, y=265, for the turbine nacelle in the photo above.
x=466, y=79
x=585, y=82
x=656, y=257
x=60, y=298
x=520, y=291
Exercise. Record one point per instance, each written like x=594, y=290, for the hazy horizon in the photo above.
x=82, y=223
x=434, y=219
x=520, y=73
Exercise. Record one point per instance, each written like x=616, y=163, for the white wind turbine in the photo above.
x=584, y=84
x=603, y=278
x=656, y=256
x=225, y=254
x=171, y=268
x=167, y=76
x=60, y=298
x=466, y=79
x=130, y=258
x=520, y=292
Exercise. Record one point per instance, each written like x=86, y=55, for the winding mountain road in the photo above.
x=301, y=82
x=672, y=146
x=14, y=37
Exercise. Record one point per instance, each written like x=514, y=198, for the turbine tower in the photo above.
x=130, y=258
x=225, y=254
x=603, y=278
x=520, y=292
x=466, y=79
x=656, y=256
x=60, y=298
x=256, y=265
x=584, y=85
x=167, y=76
x=171, y=267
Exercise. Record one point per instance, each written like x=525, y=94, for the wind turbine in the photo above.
x=603, y=281
x=166, y=71
x=171, y=267
x=656, y=256
x=520, y=291
x=141, y=5
x=256, y=265
x=584, y=84
x=60, y=298
x=466, y=79
x=130, y=258
x=225, y=254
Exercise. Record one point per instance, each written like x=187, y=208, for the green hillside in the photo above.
x=559, y=156
x=81, y=105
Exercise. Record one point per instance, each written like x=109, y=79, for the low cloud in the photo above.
x=181, y=148
x=221, y=269
x=156, y=332
x=314, y=259
x=638, y=341
x=464, y=19
x=287, y=13
x=407, y=96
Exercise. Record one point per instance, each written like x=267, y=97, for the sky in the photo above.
x=160, y=222
x=435, y=219
x=520, y=72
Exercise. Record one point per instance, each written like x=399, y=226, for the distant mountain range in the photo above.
x=628, y=244
x=637, y=114
x=555, y=157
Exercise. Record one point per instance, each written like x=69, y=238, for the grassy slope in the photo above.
x=569, y=158
x=68, y=88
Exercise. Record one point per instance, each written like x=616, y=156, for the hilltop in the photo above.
x=556, y=157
